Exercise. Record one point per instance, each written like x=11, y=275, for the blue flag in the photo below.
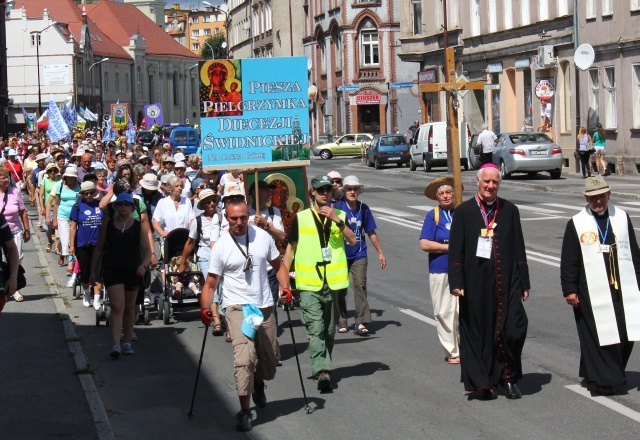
x=58, y=129
x=131, y=132
x=107, y=136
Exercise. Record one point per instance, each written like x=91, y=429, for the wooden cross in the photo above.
x=451, y=87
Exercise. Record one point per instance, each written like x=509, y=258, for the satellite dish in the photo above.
x=309, y=64
x=584, y=56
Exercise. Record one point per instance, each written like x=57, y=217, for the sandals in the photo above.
x=217, y=330
x=18, y=297
x=454, y=360
x=361, y=330
x=48, y=248
x=343, y=329
x=227, y=337
x=61, y=262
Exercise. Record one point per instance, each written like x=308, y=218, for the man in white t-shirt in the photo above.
x=240, y=258
x=486, y=141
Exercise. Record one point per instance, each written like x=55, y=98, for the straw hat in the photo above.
x=150, y=181
x=430, y=190
x=88, y=187
x=205, y=195
x=50, y=166
x=595, y=185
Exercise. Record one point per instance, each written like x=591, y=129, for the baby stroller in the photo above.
x=181, y=291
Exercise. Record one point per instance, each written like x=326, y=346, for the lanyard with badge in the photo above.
x=607, y=249
x=248, y=264
x=485, y=241
x=324, y=233
x=356, y=222
x=448, y=217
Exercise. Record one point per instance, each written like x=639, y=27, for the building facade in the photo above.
x=191, y=28
x=352, y=48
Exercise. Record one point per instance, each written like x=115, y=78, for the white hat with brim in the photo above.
x=352, y=181
x=41, y=156
x=88, y=187
x=595, y=185
x=233, y=189
x=204, y=196
x=169, y=159
x=71, y=171
x=150, y=182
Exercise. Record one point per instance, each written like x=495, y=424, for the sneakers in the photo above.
x=324, y=382
x=243, y=420
x=127, y=349
x=72, y=280
x=134, y=337
x=96, y=302
x=259, y=397
x=85, y=299
x=116, y=351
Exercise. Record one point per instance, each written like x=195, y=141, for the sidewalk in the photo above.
x=46, y=386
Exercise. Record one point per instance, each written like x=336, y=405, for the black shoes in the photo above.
x=324, y=382
x=490, y=394
x=259, y=397
x=511, y=391
x=243, y=420
x=605, y=391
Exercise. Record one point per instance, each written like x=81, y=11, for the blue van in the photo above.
x=186, y=138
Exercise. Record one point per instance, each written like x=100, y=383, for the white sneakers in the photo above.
x=72, y=280
x=85, y=298
x=96, y=302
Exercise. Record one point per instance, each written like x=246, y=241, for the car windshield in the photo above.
x=392, y=140
x=145, y=135
x=530, y=138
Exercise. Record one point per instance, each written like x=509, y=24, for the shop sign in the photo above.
x=427, y=77
x=372, y=98
x=522, y=63
x=348, y=88
x=492, y=86
x=545, y=90
x=495, y=67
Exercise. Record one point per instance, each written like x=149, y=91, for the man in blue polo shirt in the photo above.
x=434, y=239
x=361, y=221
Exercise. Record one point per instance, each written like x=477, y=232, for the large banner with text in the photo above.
x=254, y=113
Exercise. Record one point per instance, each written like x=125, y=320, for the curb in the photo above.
x=533, y=186
x=100, y=419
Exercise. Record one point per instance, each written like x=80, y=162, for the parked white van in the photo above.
x=429, y=146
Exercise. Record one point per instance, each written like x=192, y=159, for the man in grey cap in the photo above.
x=319, y=233
x=599, y=272
x=486, y=141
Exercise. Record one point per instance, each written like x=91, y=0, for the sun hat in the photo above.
x=180, y=164
x=320, y=181
x=41, y=156
x=595, y=185
x=205, y=195
x=195, y=183
x=122, y=163
x=334, y=175
x=124, y=197
x=88, y=186
x=430, y=190
x=11, y=152
x=252, y=318
x=50, y=166
x=179, y=157
x=150, y=181
x=165, y=178
x=169, y=159
x=352, y=181
x=99, y=166
x=233, y=189
x=71, y=171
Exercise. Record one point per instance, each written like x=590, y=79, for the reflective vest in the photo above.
x=310, y=269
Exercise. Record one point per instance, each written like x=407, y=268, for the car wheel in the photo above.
x=426, y=165
x=369, y=164
x=532, y=173
x=412, y=166
x=555, y=174
x=377, y=164
x=325, y=154
x=503, y=170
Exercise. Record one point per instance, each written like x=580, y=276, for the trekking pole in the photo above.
x=195, y=387
x=295, y=350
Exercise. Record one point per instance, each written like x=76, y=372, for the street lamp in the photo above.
x=91, y=78
x=37, y=42
x=217, y=10
x=213, y=55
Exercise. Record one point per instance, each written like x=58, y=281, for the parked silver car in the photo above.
x=527, y=152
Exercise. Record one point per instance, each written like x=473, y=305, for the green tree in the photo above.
x=214, y=42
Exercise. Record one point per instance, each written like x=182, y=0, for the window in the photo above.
x=475, y=17
x=610, y=111
x=524, y=13
x=194, y=20
x=176, y=92
x=594, y=94
x=508, y=14
x=416, y=8
x=323, y=55
x=139, y=80
x=635, y=6
x=591, y=9
x=216, y=31
x=194, y=92
x=369, y=47
x=207, y=32
x=493, y=26
x=126, y=82
x=151, y=89
x=563, y=7
x=607, y=7
x=453, y=13
x=116, y=78
x=337, y=44
x=543, y=9
x=195, y=46
x=33, y=39
x=194, y=33
x=106, y=81
x=636, y=95
x=206, y=19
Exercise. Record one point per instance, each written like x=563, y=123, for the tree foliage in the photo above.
x=214, y=42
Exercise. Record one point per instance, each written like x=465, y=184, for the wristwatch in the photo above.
x=266, y=227
x=340, y=224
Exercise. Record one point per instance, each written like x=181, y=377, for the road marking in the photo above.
x=539, y=210
x=423, y=208
x=552, y=217
x=559, y=205
x=630, y=203
x=393, y=212
x=543, y=255
x=419, y=316
x=540, y=260
x=604, y=401
x=400, y=222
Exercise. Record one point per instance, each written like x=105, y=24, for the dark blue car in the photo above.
x=388, y=149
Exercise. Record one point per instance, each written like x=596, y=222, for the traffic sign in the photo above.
x=492, y=86
x=462, y=79
x=400, y=85
x=348, y=88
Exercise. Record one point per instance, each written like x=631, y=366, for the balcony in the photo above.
x=369, y=74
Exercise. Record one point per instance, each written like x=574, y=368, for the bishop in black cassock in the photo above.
x=492, y=281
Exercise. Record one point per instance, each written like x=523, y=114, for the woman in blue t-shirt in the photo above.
x=86, y=219
x=434, y=239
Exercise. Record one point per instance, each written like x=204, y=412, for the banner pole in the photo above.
x=256, y=193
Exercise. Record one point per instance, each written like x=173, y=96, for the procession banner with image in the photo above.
x=254, y=113
x=119, y=115
x=153, y=114
x=57, y=129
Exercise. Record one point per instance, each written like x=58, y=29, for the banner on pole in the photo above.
x=254, y=113
x=153, y=114
x=119, y=115
x=57, y=129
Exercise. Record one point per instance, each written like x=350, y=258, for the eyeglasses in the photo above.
x=210, y=202
x=122, y=203
x=336, y=181
x=324, y=190
x=202, y=187
x=351, y=189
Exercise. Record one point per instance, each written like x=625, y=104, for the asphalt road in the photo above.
x=393, y=384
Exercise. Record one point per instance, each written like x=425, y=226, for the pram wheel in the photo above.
x=77, y=289
x=159, y=308
x=98, y=317
x=147, y=317
x=166, y=313
x=107, y=315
